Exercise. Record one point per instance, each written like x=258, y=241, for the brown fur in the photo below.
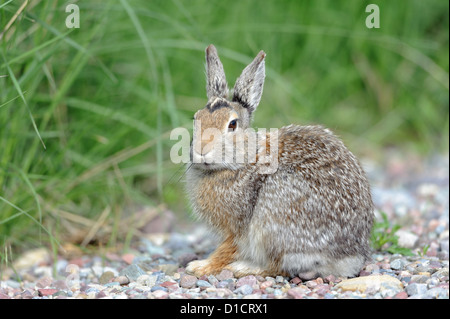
x=224, y=255
x=311, y=215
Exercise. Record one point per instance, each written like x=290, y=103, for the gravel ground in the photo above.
x=413, y=194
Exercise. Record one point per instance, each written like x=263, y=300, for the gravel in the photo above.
x=413, y=194
x=416, y=289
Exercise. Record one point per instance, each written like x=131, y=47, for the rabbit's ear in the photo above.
x=216, y=83
x=249, y=86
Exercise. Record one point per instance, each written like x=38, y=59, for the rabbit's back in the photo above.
x=316, y=209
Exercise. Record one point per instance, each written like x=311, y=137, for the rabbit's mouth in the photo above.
x=202, y=165
x=208, y=166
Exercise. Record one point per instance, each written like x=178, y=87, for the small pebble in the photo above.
x=112, y=284
x=106, y=277
x=438, y=293
x=213, y=280
x=41, y=283
x=168, y=269
x=224, y=275
x=160, y=294
x=154, y=288
x=188, y=281
x=47, y=292
x=245, y=290
x=203, y=284
x=419, y=278
x=146, y=280
x=401, y=295
x=132, y=272
x=295, y=281
x=186, y=258
x=416, y=289
x=311, y=284
x=128, y=258
x=247, y=280
x=122, y=280
x=329, y=279
x=279, y=279
x=266, y=284
x=398, y=264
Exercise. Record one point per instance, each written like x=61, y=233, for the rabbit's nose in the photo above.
x=206, y=146
x=203, y=147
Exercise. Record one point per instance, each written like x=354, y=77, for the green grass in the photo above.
x=103, y=98
x=383, y=237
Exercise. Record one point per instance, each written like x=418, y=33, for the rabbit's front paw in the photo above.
x=243, y=268
x=199, y=268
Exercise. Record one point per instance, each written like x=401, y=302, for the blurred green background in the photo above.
x=103, y=98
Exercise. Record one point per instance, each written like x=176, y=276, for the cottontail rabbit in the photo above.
x=310, y=215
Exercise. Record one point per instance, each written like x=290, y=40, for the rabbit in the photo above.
x=310, y=216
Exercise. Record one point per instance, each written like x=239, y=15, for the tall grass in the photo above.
x=85, y=113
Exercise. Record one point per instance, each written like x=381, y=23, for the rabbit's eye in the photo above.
x=232, y=126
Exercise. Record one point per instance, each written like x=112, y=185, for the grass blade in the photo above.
x=19, y=90
x=14, y=17
x=6, y=3
x=33, y=51
x=145, y=42
x=29, y=216
x=112, y=114
x=15, y=98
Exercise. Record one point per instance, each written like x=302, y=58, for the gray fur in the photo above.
x=249, y=86
x=216, y=84
x=313, y=215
